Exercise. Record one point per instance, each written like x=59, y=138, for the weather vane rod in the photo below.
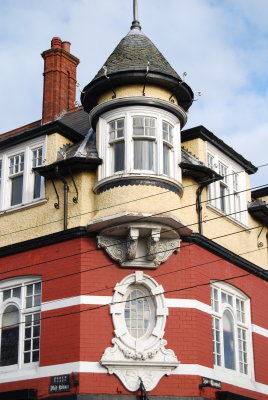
x=135, y=23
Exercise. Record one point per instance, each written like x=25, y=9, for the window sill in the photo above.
x=235, y=374
x=23, y=206
x=16, y=368
x=143, y=176
x=230, y=219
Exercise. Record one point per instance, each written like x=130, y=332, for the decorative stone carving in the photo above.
x=132, y=243
x=142, y=246
x=145, y=357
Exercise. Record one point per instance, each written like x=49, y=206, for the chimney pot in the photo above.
x=66, y=46
x=56, y=43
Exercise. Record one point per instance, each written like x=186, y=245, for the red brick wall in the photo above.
x=77, y=334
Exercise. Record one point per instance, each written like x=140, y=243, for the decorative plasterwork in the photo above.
x=140, y=245
x=144, y=357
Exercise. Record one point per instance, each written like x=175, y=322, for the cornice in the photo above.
x=226, y=254
x=80, y=232
x=47, y=240
x=137, y=101
x=46, y=129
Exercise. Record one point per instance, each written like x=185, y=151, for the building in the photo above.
x=133, y=252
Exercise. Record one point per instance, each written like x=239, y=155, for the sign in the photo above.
x=211, y=383
x=59, y=384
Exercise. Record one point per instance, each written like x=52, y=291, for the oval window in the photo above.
x=138, y=312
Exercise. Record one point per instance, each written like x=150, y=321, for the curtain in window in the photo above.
x=144, y=154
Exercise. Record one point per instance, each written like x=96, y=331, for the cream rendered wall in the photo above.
x=137, y=90
x=40, y=217
x=197, y=147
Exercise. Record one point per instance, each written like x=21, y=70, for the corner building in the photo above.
x=133, y=253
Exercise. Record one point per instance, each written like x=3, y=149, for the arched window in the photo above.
x=10, y=336
x=20, y=302
x=231, y=329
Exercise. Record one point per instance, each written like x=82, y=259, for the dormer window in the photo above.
x=139, y=140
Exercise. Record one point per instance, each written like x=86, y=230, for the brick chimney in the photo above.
x=59, y=79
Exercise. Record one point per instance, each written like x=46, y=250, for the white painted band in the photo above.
x=95, y=367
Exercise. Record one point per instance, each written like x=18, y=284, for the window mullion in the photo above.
x=27, y=181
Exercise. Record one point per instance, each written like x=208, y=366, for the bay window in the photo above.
x=137, y=140
x=231, y=329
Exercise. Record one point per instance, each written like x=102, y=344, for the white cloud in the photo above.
x=223, y=45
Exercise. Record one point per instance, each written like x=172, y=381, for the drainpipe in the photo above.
x=65, y=193
x=214, y=178
x=199, y=205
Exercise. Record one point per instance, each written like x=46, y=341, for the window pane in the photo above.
x=119, y=156
x=228, y=340
x=32, y=338
x=137, y=313
x=166, y=160
x=17, y=292
x=16, y=190
x=144, y=154
x=6, y=294
x=37, y=185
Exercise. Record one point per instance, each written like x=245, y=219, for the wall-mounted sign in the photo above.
x=208, y=382
x=60, y=383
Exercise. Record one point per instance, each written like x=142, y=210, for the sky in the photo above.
x=221, y=44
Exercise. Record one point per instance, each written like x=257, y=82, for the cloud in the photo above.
x=223, y=45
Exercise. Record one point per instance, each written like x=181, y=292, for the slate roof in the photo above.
x=133, y=53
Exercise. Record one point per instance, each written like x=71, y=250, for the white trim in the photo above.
x=96, y=368
x=107, y=300
x=188, y=303
x=259, y=330
x=75, y=301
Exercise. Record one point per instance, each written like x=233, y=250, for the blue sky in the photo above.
x=221, y=44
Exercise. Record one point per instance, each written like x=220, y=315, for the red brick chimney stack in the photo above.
x=59, y=79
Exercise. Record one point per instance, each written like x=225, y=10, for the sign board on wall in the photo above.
x=60, y=383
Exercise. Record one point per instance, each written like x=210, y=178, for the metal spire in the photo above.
x=135, y=23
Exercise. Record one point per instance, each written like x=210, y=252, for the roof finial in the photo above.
x=135, y=23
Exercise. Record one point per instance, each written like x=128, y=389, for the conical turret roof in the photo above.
x=137, y=52
x=136, y=60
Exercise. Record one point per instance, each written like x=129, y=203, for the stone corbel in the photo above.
x=132, y=243
x=151, y=244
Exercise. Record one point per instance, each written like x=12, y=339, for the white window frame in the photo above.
x=233, y=184
x=217, y=314
x=20, y=304
x=127, y=113
x=26, y=149
x=159, y=312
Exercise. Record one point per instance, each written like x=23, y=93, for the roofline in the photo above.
x=46, y=129
x=262, y=192
x=203, y=133
x=179, y=89
x=80, y=232
x=68, y=165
